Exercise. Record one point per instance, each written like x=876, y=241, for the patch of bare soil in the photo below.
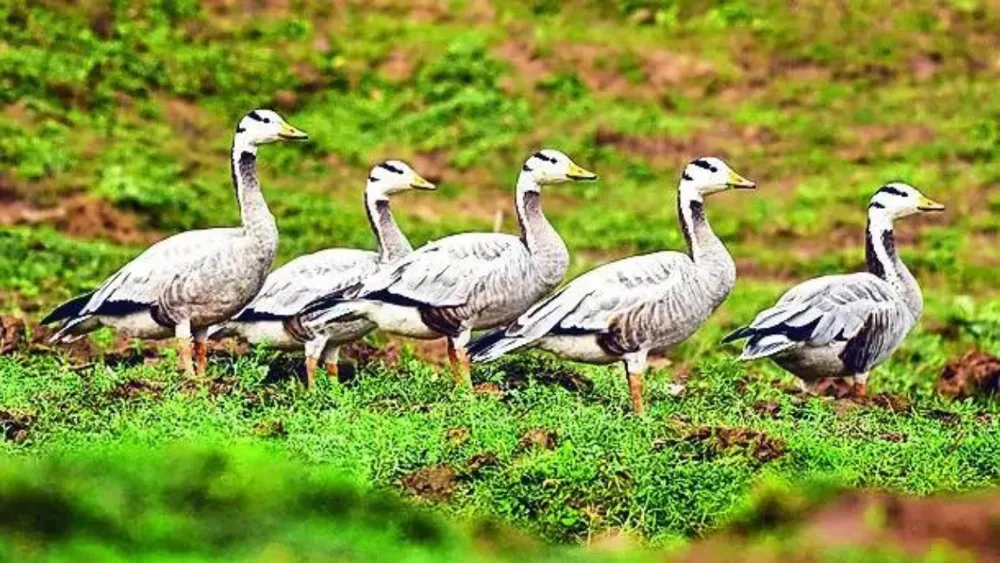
x=16, y=424
x=475, y=464
x=363, y=354
x=723, y=140
x=868, y=142
x=974, y=373
x=607, y=70
x=538, y=438
x=433, y=483
x=769, y=409
x=135, y=388
x=754, y=444
x=216, y=387
x=13, y=334
x=398, y=66
x=914, y=525
x=520, y=372
x=76, y=215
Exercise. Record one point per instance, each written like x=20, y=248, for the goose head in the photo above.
x=262, y=126
x=549, y=166
x=394, y=176
x=709, y=175
x=898, y=199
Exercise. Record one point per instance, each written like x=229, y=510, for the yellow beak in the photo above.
x=421, y=184
x=925, y=204
x=290, y=133
x=739, y=182
x=576, y=173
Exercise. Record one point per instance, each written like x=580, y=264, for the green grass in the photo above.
x=132, y=104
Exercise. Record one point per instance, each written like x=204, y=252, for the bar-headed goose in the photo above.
x=182, y=285
x=846, y=325
x=472, y=280
x=273, y=316
x=624, y=310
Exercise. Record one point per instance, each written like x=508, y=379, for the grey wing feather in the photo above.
x=445, y=273
x=142, y=280
x=822, y=310
x=636, y=290
x=291, y=287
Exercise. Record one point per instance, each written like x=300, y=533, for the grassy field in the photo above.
x=115, y=127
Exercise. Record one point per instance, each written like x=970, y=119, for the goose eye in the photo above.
x=267, y=120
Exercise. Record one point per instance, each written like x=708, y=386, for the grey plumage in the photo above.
x=626, y=309
x=185, y=283
x=278, y=315
x=469, y=281
x=846, y=325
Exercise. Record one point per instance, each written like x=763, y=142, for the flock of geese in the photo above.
x=208, y=283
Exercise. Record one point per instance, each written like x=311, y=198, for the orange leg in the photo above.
x=332, y=370
x=459, y=361
x=635, y=367
x=310, y=371
x=200, y=356
x=635, y=390
x=860, y=385
x=182, y=332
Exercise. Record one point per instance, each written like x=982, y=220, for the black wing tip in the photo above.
x=481, y=345
x=68, y=309
x=251, y=315
x=738, y=334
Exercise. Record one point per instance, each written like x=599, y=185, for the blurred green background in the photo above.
x=115, y=127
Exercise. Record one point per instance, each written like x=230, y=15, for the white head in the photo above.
x=393, y=176
x=262, y=126
x=709, y=175
x=549, y=166
x=897, y=199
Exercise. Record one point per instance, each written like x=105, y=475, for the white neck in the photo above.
x=547, y=249
x=526, y=184
x=884, y=262
x=256, y=217
x=392, y=243
x=880, y=224
x=686, y=194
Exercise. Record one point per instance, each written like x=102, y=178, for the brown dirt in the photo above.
x=722, y=140
x=77, y=215
x=398, y=66
x=836, y=387
x=752, y=443
x=187, y=118
x=216, y=387
x=538, y=438
x=13, y=334
x=770, y=409
x=433, y=483
x=488, y=389
x=364, y=354
x=480, y=461
x=868, y=142
x=519, y=374
x=914, y=525
x=949, y=418
x=16, y=424
x=974, y=373
x=134, y=388
x=599, y=67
